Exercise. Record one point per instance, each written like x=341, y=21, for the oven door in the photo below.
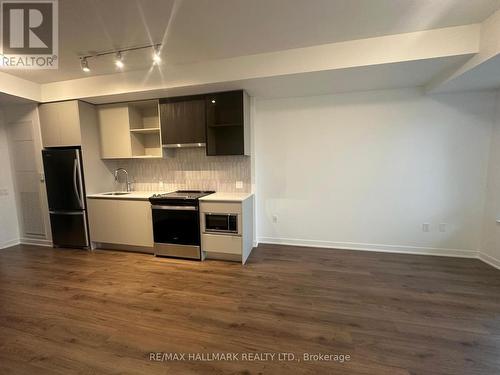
x=176, y=231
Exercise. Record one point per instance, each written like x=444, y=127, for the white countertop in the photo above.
x=144, y=196
x=133, y=195
x=226, y=197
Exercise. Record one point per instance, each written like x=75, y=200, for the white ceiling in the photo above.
x=201, y=30
x=373, y=77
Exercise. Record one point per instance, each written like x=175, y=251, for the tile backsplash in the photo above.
x=187, y=168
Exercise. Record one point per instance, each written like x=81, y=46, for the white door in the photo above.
x=27, y=180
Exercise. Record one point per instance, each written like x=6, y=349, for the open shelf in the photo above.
x=145, y=130
x=146, y=145
x=146, y=157
x=144, y=114
x=130, y=130
x=144, y=121
x=223, y=140
x=227, y=115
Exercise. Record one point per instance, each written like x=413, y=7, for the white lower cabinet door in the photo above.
x=125, y=222
x=103, y=220
x=135, y=223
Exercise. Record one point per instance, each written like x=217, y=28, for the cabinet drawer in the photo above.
x=221, y=244
x=220, y=207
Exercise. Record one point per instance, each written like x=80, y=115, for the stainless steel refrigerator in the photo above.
x=66, y=197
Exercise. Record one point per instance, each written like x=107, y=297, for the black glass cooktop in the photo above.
x=181, y=194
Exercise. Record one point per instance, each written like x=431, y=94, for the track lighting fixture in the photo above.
x=118, y=56
x=156, y=54
x=119, y=60
x=85, y=65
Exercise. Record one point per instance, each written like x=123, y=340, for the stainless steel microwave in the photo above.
x=221, y=223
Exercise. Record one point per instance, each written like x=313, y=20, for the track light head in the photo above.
x=119, y=60
x=156, y=54
x=119, y=57
x=84, y=65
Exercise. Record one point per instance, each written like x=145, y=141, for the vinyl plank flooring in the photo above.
x=67, y=311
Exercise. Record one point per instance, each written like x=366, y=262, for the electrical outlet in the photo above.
x=426, y=227
x=275, y=219
x=239, y=184
x=442, y=227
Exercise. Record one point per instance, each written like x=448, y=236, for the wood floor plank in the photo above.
x=68, y=311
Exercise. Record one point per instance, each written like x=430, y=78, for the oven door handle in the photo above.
x=174, y=208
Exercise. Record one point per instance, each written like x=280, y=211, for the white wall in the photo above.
x=491, y=229
x=366, y=170
x=9, y=227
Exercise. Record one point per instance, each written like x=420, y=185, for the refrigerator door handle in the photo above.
x=67, y=212
x=75, y=185
x=80, y=181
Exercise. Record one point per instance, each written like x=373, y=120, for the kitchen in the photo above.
x=184, y=223
x=250, y=187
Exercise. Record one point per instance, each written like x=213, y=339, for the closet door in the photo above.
x=26, y=179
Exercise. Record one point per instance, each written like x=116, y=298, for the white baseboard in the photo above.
x=9, y=243
x=492, y=261
x=460, y=253
x=36, y=241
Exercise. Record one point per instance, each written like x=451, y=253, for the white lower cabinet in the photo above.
x=235, y=246
x=120, y=221
x=221, y=244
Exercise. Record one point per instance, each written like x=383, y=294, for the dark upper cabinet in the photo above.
x=183, y=120
x=227, y=123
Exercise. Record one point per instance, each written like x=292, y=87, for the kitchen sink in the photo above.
x=117, y=193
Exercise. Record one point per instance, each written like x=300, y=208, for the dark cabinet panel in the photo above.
x=69, y=229
x=227, y=123
x=183, y=120
x=225, y=108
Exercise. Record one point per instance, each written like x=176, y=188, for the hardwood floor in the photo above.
x=68, y=311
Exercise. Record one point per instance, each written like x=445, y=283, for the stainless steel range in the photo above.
x=176, y=223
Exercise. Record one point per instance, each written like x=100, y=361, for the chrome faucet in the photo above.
x=126, y=175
